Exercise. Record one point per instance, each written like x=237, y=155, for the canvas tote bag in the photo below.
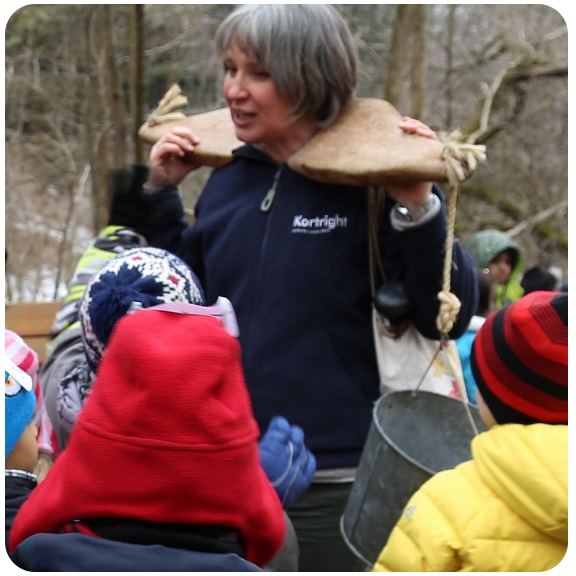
x=406, y=359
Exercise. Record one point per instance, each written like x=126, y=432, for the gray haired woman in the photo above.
x=292, y=254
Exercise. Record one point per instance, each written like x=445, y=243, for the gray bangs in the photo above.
x=307, y=48
x=251, y=30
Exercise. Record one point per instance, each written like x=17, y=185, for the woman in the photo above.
x=292, y=254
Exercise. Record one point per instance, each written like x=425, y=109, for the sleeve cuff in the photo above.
x=150, y=190
x=20, y=474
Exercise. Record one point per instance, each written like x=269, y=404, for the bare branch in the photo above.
x=537, y=218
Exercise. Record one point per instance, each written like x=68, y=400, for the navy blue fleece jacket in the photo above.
x=294, y=263
x=82, y=553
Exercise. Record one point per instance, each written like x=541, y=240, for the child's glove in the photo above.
x=287, y=462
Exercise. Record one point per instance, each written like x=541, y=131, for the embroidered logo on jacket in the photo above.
x=318, y=225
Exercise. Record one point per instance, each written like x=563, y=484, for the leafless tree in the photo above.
x=81, y=78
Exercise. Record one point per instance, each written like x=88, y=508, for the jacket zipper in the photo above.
x=266, y=203
x=265, y=207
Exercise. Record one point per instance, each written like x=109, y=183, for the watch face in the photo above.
x=403, y=211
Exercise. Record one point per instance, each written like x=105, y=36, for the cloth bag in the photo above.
x=412, y=362
x=406, y=359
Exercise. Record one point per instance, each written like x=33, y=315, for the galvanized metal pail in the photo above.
x=413, y=435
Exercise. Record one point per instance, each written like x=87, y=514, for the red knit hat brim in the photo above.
x=167, y=435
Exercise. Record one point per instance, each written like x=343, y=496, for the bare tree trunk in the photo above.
x=396, y=59
x=93, y=136
x=418, y=85
x=406, y=60
x=449, y=73
x=137, y=78
x=107, y=111
x=115, y=114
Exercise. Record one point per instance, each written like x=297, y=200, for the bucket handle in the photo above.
x=461, y=387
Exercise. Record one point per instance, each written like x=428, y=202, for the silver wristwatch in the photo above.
x=402, y=217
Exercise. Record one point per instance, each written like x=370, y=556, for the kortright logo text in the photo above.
x=318, y=225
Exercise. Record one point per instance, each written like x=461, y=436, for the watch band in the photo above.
x=403, y=218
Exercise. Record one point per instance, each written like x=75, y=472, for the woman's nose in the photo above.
x=234, y=88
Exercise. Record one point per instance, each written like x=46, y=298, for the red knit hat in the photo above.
x=520, y=360
x=167, y=435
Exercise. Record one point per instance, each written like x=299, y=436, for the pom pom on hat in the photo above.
x=138, y=278
x=21, y=366
x=520, y=360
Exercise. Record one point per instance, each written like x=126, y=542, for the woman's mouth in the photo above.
x=241, y=118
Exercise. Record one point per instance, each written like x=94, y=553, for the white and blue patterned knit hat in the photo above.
x=138, y=278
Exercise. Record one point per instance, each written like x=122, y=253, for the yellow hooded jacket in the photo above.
x=505, y=510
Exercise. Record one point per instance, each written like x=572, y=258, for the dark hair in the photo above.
x=538, y=278
x=485, y=292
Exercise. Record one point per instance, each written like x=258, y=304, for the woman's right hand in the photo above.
x=171, y=159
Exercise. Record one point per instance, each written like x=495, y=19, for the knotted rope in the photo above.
x=164, y=111
x=461, y=160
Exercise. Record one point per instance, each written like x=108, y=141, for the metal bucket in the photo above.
x=413, y=435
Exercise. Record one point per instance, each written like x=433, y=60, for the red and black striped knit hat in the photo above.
x=520, y=360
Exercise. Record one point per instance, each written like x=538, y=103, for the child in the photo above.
x=16, y=350
x=163, y=467
x=140, y=278
x=538, y=278
x=496, y=252
x=66, y=350
x=464, y=343
x=20, y=445
x=506, y=510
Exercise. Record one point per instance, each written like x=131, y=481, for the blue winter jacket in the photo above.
x=292, y=256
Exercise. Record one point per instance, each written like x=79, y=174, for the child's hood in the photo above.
x=485, y=245
x=527, y=468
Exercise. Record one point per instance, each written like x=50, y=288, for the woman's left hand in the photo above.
x=412, y=194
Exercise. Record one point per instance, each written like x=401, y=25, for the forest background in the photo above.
x=80, y=79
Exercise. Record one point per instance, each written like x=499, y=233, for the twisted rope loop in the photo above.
x=461, y=160
x=164, y=111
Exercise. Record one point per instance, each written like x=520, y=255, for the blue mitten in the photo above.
x=287, y=462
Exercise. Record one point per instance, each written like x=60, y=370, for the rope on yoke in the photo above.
x=164, y=111
x=461, y=160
